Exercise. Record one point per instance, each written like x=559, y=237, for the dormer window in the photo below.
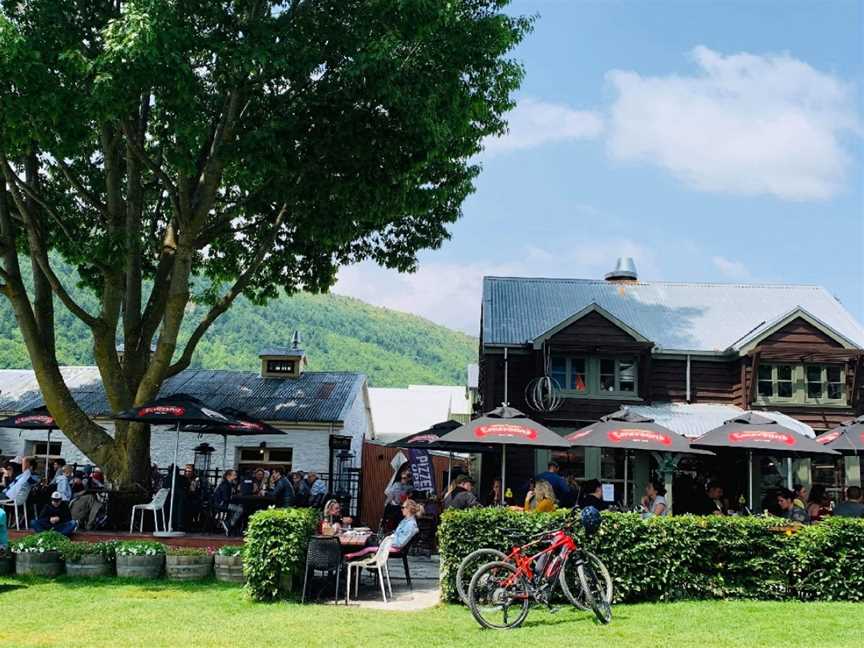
x=283, y=362
x=595, y=377
x=281, y=366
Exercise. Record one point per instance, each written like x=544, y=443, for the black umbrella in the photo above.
x=244, y=425
x=847, y=439
x=753, y=432
x=504, y=426
x=631, y=431
x=179, y=409
x=38, y=418
x=430, y=439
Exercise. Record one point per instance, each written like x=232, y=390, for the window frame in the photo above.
x=592, y=377
x=800, y=393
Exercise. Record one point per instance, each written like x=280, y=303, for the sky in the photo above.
x=710, y=141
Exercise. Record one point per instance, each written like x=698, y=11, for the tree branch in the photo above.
x=92, y=198
x=13, y=180
x=132, y=140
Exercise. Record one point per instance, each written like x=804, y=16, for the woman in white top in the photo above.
x=654, y=502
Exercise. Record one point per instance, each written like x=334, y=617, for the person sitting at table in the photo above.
x=654, y=501
x=332, y=517
x=222, y=500
x=819, y=504
x=403, y=534
x=317, y=489
x=20, y=481
x=786, y=502
x=493, y=497
x=301, y=489
x=462, y=496
x=542, y=498
x=259, y=482
x=712, y=502
x=55, y=517
x=283, y=489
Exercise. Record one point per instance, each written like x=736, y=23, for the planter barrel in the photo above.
x=229, y=569
x=140, y=566
x=48, y=564
x=188, y=568
x=89, y=566
x=7, y=564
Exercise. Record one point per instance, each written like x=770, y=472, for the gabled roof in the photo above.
x=591, y=308
x=675, y=316
x=754, y=337
x=398, y=412
x=313, y=397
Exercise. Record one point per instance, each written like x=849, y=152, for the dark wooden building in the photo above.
x=689, y=354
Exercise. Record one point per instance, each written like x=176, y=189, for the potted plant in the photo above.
x=39, y=554
x=140, y=559
x=89, y=559
x=7, y=561
x=229, y=564
x=188, y=563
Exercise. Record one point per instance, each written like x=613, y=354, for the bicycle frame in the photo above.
x=560, y=548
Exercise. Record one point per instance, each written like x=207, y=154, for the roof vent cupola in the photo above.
x=283, y=362
x=625, y=270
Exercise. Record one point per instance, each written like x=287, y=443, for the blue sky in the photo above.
x=711, y=141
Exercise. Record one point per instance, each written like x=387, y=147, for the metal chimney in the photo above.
x=625, y=270
x=295, y=340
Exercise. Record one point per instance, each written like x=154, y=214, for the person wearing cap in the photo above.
x=55, y=517
x=462, y=496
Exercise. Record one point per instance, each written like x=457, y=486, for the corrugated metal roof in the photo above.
x=675, y=316
x=314, y=397
x=695, y=419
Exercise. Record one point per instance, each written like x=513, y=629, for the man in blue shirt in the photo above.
x=563, y=492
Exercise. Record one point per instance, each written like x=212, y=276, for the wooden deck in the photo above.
x=190, y=540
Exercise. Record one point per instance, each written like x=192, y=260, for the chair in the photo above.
x=157, y=504
x=20, y=501
x=377, y=562
x=325, y=555
x=402, y=552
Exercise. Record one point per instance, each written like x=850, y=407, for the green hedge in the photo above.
x=276, y=543
x=686, y=556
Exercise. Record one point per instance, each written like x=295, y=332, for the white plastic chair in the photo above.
x=157, y=504
x=20, y=501
x=376, y=562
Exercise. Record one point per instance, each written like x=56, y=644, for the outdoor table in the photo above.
x=354, y=540
x=253, y=503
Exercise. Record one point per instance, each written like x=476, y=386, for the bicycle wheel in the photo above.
x=470, y=564
x=594, y=591
x=498, y=596
x=572, y=586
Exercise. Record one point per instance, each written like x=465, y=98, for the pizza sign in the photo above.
x=505, y=430
x=638, y=436
x=35, y=419
x=762, y=436
x=828, y=437
x=162, y=410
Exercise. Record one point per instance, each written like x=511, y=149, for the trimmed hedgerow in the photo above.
x=275, y=547
x=672, y=558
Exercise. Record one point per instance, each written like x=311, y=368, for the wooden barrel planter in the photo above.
x=7, y=564
x=188, y=568
x=89, y=566
x=47, y=564
x=229, y=569
x=140, y=566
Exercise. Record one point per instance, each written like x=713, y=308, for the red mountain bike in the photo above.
x=501, y=593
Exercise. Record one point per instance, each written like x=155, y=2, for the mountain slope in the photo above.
x=338, y=333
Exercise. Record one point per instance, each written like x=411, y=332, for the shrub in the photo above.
x=230, y=550
x=74, y=551
x=140, y=548
x=670, y=558
x=276, y=543
x=188, y=551
x=42, y=542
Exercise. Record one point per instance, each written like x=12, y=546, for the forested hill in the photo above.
x=338, y=333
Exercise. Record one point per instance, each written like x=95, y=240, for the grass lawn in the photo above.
x=117, y=613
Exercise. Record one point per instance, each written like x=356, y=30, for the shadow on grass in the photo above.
x=10, y=587
x=71, y=582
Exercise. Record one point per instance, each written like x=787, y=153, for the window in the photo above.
x=802, y=384
x=39, y=449
x=595, y=376
x=251, y=458
x=280, y=366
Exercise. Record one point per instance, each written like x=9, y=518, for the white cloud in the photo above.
x=449, y=293
x=744, y=124
x=533, y=123
x=730, y=268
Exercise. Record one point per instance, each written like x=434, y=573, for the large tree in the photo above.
x=190, y=151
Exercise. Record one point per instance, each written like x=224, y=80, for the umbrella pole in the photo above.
x=503, y=471
x=224, y=453
x=750, y=479
x=626, y=461
x=789, y=473
x=47, y=453
x=170, y=533
x=449, y=468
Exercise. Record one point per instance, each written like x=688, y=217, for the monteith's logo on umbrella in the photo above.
x=162, y=410
x=505, y=430
x=579, y=434
x=762, y=436
x=639, y=436
x=39, y=419
x=245, y=425
x=828, y=437
x=425, y=438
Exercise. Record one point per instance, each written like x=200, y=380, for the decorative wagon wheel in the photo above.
x=543, y=394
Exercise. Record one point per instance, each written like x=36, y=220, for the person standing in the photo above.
x=283, y=490
x=563, y=494
x=55, y=517
x=592, y=495
x=462, y=496
x=852, y=507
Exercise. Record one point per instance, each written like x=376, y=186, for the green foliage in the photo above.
x=230, y=550
x=276, y=543
x=74, y=551
x=671, y=558
x=41, y=542
x=187, y=551
x=140, y=548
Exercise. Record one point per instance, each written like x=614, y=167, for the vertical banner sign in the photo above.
x=421, y=471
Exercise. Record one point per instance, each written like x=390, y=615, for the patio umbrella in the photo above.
x=242, y=425
x=430, y=439
x=178, y=410
x=38, y=418
x=504, y=426
x=847, y=439
x=631, y=431
x=753, y=432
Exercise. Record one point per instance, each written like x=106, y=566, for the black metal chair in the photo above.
x=325, y=555
x=403, y=554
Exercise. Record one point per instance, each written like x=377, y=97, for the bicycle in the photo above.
x=532, y=578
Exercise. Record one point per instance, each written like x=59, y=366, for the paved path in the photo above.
x=425, y=594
